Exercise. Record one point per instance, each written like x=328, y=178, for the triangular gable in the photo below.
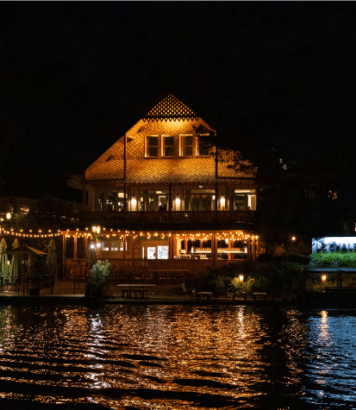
x=170, y=109
x=172, y=117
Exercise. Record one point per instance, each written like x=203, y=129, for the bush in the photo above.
x=276, y=275
x=333, y=260
x=238, y=286
x=98, y=278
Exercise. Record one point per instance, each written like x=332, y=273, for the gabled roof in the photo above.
x=170, y=109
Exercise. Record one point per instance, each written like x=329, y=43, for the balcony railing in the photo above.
x=174, y=217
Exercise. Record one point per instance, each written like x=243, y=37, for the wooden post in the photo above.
x=124, y=245
x=125, y=157
x=75, y=246
x=64, y=255
x=249, y=246
x=170, y=246
x=133, y=254
x=216, y=199
x=86, y=247
x=215, y=249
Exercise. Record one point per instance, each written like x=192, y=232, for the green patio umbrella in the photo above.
x=4, y=267
x=15, y=262
x=52, y=259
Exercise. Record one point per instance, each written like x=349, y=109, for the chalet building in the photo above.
x=164, y=197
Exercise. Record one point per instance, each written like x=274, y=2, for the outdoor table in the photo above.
x=207, y=294
x=263, y=294
x=136, y=289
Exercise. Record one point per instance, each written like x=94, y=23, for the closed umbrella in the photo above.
x=4, y=267
x=52, y=259
x=91, y=254
x=15, y=262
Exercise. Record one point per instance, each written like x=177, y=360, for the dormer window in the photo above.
x=168, y=146
x=152, y=147
x=187, y=145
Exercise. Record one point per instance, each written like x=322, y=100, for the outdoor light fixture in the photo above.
x=8, y=216
x=92, y=246
x=241, y=278
x=293, y=238
x=323, y=278
x=222, y=201
x=96, y=229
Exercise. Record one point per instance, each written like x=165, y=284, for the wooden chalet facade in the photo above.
x=164, y=198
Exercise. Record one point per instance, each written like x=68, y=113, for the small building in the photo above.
x=164, y=195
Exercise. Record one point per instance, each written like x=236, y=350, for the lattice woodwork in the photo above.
x=170, y=109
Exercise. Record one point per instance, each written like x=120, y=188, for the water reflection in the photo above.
x=175, y=356
x=330, y=374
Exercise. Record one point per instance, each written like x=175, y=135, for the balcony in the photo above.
x=176, y=220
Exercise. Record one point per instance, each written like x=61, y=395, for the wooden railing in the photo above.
x=78, y=269
x=176, y=217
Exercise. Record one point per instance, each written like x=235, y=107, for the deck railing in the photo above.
x=176, y=217
x=77, y=268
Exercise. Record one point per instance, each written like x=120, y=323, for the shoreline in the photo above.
x=82, y=300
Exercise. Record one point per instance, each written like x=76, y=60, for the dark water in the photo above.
x=176, y=357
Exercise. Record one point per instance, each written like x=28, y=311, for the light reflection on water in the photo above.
x=177, y=357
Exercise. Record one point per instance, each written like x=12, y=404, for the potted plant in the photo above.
x=98, y=279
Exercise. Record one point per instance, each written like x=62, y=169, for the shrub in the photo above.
x=333, y=260
x=98, y=278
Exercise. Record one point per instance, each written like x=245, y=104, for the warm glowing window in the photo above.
x=168, y=146
x=187, y=145
x=203, y=146
x=152, y=147
x=244, y=200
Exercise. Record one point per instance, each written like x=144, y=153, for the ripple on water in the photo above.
x=175, y=357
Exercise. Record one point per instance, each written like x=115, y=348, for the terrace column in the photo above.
x=214, y=250
x=133, y=254
x=64, y=254
x=229, y=247
x=171, y=241
x=216, y=201
x=85, y=247
x=249, y=246
x=75, y=246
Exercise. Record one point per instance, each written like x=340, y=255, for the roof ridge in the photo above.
x=170, y=109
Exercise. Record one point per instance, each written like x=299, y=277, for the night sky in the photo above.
x=75, y=76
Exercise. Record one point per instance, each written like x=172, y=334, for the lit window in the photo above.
x=151, y=252
x=244, y=199
x=187, y=146
x=162, y=252
x=203, y=146
x=152, y=146
x=168, y=146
